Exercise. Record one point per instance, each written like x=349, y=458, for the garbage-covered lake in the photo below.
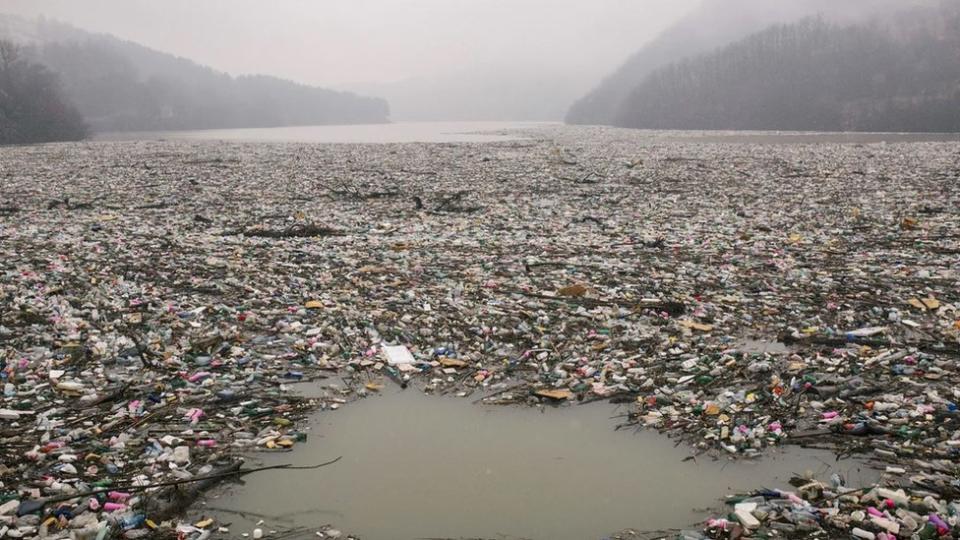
x=417, y=466
x=164, y=302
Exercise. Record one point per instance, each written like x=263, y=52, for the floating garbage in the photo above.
x=160, y=303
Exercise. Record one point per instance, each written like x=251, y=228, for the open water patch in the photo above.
x=417, y=466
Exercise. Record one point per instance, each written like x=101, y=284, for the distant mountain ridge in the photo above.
x=896, y=73
x=717, y=23
x=119, y=85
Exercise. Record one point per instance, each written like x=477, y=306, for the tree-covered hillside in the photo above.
x=32, y=106
x=901, y=74
x=122, y=86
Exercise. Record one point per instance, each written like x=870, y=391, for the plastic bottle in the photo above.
x=942, y=527
x=132, y=522
x=928, y=532
x=897, y=496
x=118, y=496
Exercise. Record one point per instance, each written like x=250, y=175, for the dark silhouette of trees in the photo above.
x=715, y=24
x=119, y=85
x=899, y=75
x=32, y=106
x=122, y=86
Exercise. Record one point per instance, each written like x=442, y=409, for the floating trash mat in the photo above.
x=798, y=137
x=757, y=346
x=417, y=466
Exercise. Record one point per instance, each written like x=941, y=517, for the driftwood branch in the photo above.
x=952, y=349
x=218, y=476
x=153, y=206
x=586, y=179
x=454, y=203
x=300, y=230
x=67, y=204
x=591, y=219
x=671, y=307
x=357, y=191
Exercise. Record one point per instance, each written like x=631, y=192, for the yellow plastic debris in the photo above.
x=313, y=304
x=696, y=326
x=452, y=362
x=573, y=290
x=555, y=394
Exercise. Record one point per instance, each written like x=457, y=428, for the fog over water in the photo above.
x=443, y=60
x=364, y=44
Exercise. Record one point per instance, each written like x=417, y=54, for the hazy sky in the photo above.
x=339, y=42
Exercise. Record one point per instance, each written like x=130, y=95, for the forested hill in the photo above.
x=715, y=24
x=122, y=86
x=32, y=107
x=900, y=74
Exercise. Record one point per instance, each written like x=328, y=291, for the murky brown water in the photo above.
x=416, y=466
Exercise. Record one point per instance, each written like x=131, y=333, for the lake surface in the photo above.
x=417, y=466
x=451, y=132
x=402, y=132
